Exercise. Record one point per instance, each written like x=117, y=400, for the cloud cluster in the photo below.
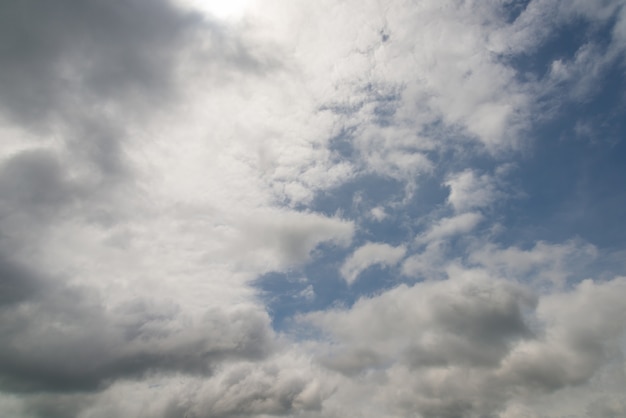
x=158, y=159
x=60, y=337
x=369, y=255
x=472, y=345
x=114, y=269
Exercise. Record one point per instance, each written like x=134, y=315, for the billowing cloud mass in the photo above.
x=324, y=209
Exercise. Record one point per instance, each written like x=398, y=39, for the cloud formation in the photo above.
x=473, y=344
x=368, y=255
x=161, y=159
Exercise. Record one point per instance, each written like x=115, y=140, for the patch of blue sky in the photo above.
x=350, y=198
x=341, y=144
x=456, y=151
x=574, y=177
x=568, y=183
x=563, y=43
x=283, y=296
x=288, y=294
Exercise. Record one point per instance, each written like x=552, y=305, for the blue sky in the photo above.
x=263, y=208
x=566, y=182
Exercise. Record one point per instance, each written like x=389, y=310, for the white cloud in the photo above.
x=544, y=263
x=378, y=213
x=449, y=227
x=308, y=293
x=468, y=191
x=472, y=344
x=369, y=255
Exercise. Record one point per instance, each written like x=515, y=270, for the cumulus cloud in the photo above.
x=160, y=158
x=65, y=338
x=548, y=263
x=471, y=191
x=114, y=267
x=432, y=339
x=369, y=255
x=274, y=388
x=378, y=213
x=291, y=236
x=279, y=386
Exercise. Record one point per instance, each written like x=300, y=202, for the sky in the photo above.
x=313, y=209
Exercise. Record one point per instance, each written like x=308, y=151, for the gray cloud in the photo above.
x=34, y=182
x=95, y=49
x=76, y=72
x=253, y=390
x=57, y=405
x=607, y=407
x=280, y=385
x=17, y=284
x=448, y=324
x=86, y=71
x=61, y=338
x=468, y=346
x=76, y=75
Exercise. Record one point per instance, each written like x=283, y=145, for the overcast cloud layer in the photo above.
x=312, y=209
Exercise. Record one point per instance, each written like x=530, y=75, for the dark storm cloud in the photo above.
x=17, y=284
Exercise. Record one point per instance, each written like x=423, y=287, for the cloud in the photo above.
x=158, y=161
x=369, y=255
x=506, y=341
x=274, y=388
x=71, y=54
x=17, y=283
x=469, y=190
x=378, y=213
x=547, y=263
x=308, y=293
x=64, y=338
x=428, y=263
x=287, y=383
x=133, y=275
x=449, y=227
x=607, y=408
x=282, y=238
x=581, y=333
